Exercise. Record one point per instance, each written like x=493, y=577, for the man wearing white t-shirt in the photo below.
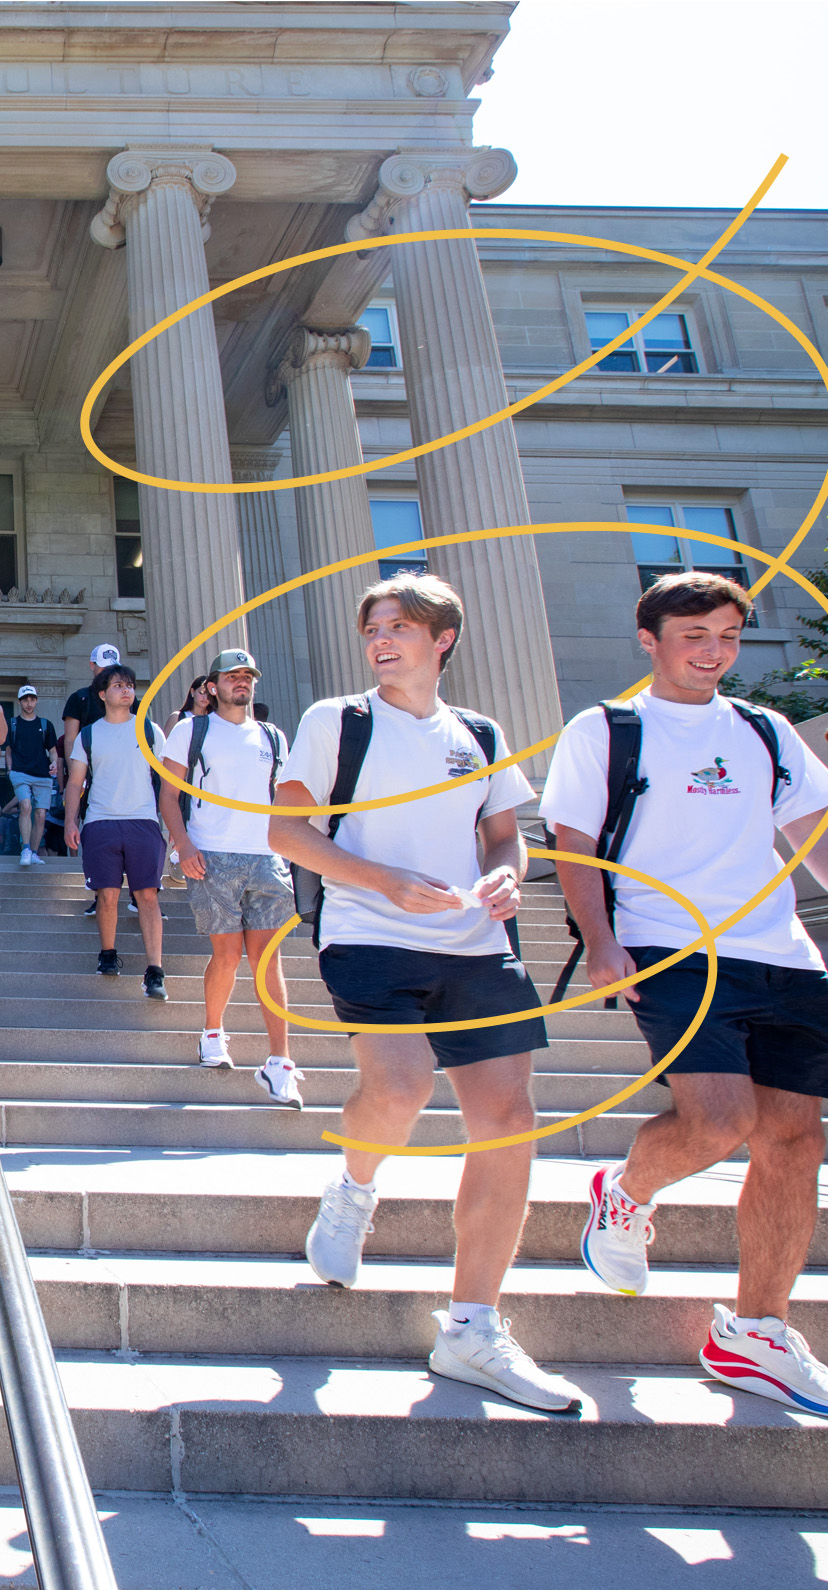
x=411, y=933
x=239, y=891
x=758, y=1067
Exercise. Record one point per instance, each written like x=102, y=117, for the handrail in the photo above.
x=64, y=1530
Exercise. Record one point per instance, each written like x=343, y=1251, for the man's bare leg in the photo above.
x=256, y=941
x=491, y=1204
x=396, y=1081
x=220, y=976
x=150, y=923
x=107, y=915
x=712, y=1114
x=777, y=1209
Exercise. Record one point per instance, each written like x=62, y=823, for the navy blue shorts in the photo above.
x=382, y=983
x=114, y=846
x=769, y=1023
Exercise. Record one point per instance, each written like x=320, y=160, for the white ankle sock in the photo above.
x=462, y=1314
x=280, y=1060
x=362, y=1186
x=742, y=1324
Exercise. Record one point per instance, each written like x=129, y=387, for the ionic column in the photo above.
x=453, y=377
x=277, y=634
x=157, y=205
x=334, y=519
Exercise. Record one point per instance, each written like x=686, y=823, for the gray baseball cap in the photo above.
x=226, y=661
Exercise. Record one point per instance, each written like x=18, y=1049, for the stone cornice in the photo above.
x=197, y=168
x=348, y=350
x=477, y=173
x=255, y=463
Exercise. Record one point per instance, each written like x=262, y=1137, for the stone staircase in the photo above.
x=166, y=1209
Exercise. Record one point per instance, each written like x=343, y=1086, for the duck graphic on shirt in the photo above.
x=712, y=776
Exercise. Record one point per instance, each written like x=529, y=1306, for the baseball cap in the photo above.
x=26, y=690
x=104, y=656
x=226, y=661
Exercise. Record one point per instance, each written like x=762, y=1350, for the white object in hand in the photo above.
x=467, y=897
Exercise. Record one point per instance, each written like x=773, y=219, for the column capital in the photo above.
x=347, y=350
x=195, y=167
x=255, y=463
x=475, y=173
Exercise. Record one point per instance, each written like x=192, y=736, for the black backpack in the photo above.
x=623, y=789
x=196, y=755
x=86, y=742
x=354, y=739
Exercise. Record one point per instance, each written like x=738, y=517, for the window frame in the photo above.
x=639, y=338
x=122, y=596
x=684, y=538
x=390, y=308
x=387, y=566
x=12, y=468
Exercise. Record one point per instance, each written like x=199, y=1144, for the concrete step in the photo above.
x=264, y=1202
x=172, y=1303
x=58, y=981
x=320, y=1427
x=192, y=1084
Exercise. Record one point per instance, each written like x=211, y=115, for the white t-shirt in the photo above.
x=434, y=837
x=121, y=775
x=704, y=825
x=238, y=759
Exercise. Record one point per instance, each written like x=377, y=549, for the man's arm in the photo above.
x=817, y=859
x=192, y=861
x=71, y=730
x=4, y=728
x=51, y=752
x=606, y=960
x=504, y=864
x=296, y=840
x=74, y=790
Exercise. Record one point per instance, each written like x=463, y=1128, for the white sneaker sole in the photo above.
x=763, y=1384
x=264, y=1082
x=221, y=1063
x=452, y=1369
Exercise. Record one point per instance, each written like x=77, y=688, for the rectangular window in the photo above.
x=379, y=321
x=129, y=555
x=666, y=554
x=662, y=348
x=8, y=538
x=397, y=520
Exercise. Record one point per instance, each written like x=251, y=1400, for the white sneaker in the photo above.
x=774, y=1361
x=616, y=1237
x=484, y=1354
x=337, y=1236
x=279, y=1077
x=25, y=856
x=213, y=1051
x=36, y=859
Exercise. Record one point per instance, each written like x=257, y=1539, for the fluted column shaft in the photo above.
x=272, y=629
x=453, y=376
x=192, y=567
x=334, y=519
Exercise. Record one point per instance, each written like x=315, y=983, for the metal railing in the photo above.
x=64, y=1530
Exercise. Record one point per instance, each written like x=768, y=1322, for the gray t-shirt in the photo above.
x=121, y=782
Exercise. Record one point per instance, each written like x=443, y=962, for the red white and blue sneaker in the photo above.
x=773, y=1360
x=617, y=1235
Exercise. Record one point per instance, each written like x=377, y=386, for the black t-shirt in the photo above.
x=87, y=707
x=30, y=745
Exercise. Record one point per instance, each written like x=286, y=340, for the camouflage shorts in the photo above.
x=239, y=892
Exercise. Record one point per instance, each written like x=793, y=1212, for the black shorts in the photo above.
x=382, y=983
x=769, y=1023
x=114, y=846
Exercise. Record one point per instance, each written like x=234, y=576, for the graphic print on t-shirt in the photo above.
x=713, y=780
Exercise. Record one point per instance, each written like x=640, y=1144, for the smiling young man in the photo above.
x=239, y=892
x=758, y=1067
x=398, y=946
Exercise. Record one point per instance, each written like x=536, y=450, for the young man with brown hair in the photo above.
x=758, y=1067
x=410, y=933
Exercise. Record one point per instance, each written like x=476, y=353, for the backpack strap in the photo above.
x=484, y=732
x=155, y=777
x=195, y=754
x=272, y=735
x=766, y=730
x=354, y=739
x=623, y=789
x=86, y=742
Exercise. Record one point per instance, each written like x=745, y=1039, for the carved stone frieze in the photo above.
x=428, y=82
x=255, y=463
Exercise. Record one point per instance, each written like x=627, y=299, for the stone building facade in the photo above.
x=149, y=152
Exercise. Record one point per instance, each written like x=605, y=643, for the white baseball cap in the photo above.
x=104, y=656
x=26, y=690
